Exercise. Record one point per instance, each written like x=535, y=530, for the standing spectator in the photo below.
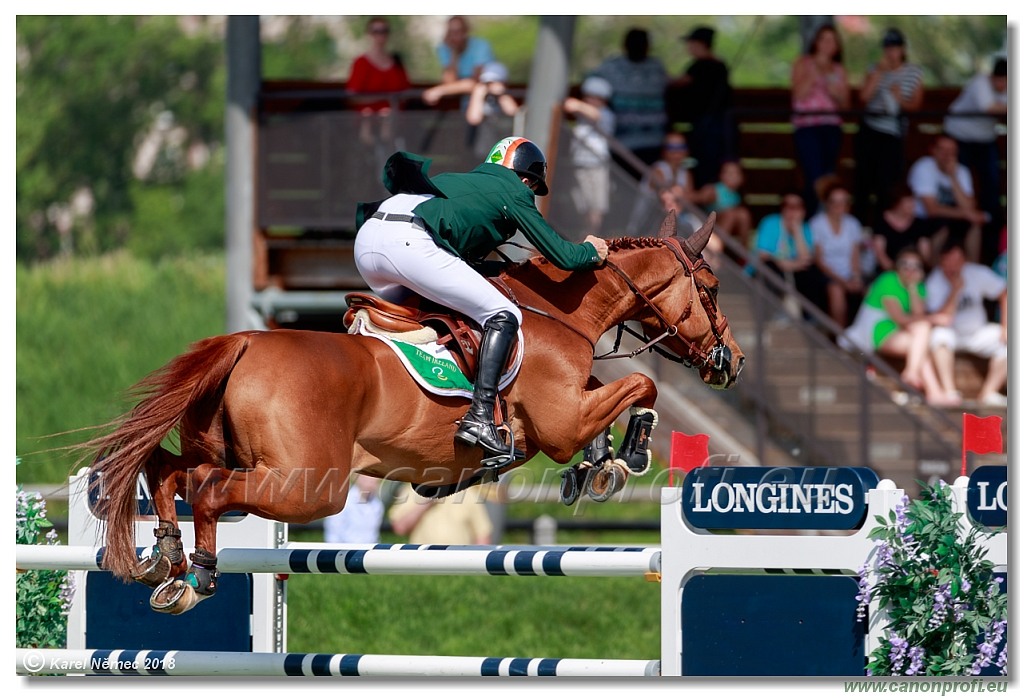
x=724, y=198
x=945, y=196
x=899, y=228
x=458, y=519
x=638, y=97
x=893, y=322
x=359, y=522
x=982, y=103
x=591, y=158
x=462, y=58
x=378, y=70
x=837, y=250
x=956, y=296
x=785, y=245
x=706, y=98
x=892, y=87
x=820, y=90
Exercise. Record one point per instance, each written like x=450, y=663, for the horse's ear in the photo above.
x=695, y=243
x=668, y=226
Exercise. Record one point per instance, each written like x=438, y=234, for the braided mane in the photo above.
x=633, y=243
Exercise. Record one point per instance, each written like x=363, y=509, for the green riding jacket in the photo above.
x=472, y=213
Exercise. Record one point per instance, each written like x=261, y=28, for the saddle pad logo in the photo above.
x=434, y=368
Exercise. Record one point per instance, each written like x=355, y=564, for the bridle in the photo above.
x=714, y=353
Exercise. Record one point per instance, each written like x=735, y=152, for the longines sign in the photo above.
x=777, y=498
x=986, y=496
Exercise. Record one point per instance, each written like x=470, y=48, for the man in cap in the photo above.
x=704, y=98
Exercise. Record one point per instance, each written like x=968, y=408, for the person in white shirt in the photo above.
x=945, y=192
x=973, y=121
x=955, y=294
x=838, y=244
x=360, y=520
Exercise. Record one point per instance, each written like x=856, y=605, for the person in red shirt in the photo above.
x=378, y=70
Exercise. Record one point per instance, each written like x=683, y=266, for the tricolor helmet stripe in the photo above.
x=504, y=151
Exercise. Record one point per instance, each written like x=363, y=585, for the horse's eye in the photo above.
x=714, y=292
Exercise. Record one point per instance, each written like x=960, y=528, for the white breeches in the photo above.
x=394, y=257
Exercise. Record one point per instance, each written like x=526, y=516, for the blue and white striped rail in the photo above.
x=423, y=560
x=131, y=662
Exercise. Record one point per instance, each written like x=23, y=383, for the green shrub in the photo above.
x=43, y=597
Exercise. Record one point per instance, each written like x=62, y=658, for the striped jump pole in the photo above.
x=454, y=560
x=131, y=662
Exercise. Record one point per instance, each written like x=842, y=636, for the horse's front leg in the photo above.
x=602, y=473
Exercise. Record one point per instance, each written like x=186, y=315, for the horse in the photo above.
x=273, y=422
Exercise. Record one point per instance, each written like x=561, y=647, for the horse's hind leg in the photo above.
x=168, y=557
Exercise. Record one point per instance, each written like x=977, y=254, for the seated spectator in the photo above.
x=837, y=249
x=489, y=96
x=972, y=120
x=893, y=322
x=458, y=519
x=945, y=195
x=672, y=171
x=638, y=97
x=462, y=58
x=956, y=296
x=899, y=228
x=360, y=520
x=724, y=198
x=591, y=157
x=785, y=245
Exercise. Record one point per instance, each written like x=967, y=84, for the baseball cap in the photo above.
x=494, y=72
x=596, y=86
x=704, y=35
x=893, y=37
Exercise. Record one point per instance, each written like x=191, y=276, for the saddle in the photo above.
x=453, y=330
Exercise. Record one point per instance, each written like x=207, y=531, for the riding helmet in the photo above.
x=524, y=157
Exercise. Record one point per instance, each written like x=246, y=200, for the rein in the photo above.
x=696, y=355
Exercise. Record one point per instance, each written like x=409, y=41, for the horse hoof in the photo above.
x=174, y=598
x=152, y=571
x=570, y=491
x=606, y=482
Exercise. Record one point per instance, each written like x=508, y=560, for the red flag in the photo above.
x=688, y=452
x=981, y=436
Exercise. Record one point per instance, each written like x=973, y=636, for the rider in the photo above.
x=426, y=237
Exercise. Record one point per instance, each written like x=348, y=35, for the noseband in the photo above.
x=714, y=353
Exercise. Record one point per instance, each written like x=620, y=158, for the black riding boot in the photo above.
x=477, y=426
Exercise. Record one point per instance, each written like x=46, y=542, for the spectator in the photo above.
x=893, y=322
x=462, y=58
x=359, y=522
x=706, y=99
x=378, y=70
x=785, y=245
x=982, y=103
x=956, y=296
x=672, y=171
x=837, y=250
x=638, y=97
x=820, y=90
x=724, y=198
x=899, y=228
x=945, y=196
x=489, y=96
x=589, y=151
x=891, y=88
x=458, y=519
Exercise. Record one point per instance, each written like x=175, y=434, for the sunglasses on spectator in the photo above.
x=909, y=265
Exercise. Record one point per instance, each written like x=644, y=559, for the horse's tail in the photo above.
x=167, y=394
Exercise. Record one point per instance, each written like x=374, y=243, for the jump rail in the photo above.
x=131, y=662
x=389, y=560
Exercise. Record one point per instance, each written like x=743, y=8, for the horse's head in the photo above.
x=686, y=310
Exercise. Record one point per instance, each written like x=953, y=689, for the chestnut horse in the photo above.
x=273, y=422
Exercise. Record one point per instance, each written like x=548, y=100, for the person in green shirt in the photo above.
x=427, y=237
x=892, y=321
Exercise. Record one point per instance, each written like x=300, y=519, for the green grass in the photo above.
x=89, y=329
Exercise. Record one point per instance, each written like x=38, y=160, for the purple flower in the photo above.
x=916, y=656
x=863, y=592
x=941, y=606
x=987, y=648
x=898, y=652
